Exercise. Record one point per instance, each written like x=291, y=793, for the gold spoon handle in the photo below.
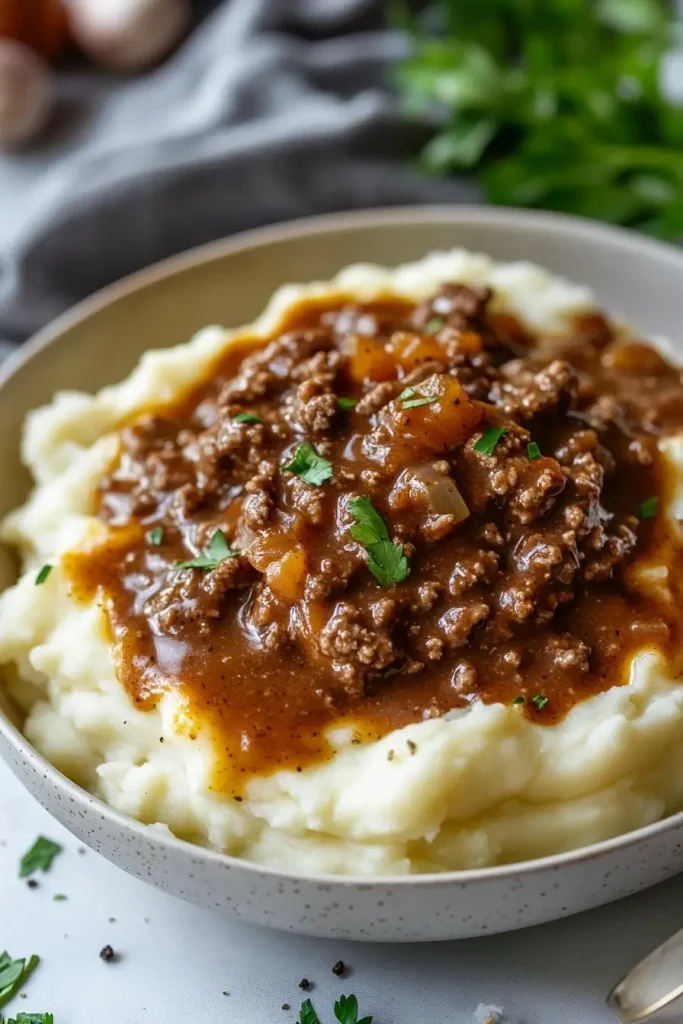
x=652, y=984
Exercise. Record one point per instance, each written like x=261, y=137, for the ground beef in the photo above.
x=505, y=474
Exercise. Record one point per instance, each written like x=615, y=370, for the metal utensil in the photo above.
x=653, y=985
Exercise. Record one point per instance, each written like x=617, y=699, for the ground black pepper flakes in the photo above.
x=305, y=984
x=286, y=1006
x=33, y=883
x=107, y=954
x=339, y=968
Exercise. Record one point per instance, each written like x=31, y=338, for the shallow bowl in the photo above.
x=229, y=282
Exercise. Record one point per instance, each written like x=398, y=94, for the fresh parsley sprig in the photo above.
x=14, y=974
x=310, y=466
x=217, y=552
x=386, y=560
x=345, y=1012
x=555, y=104
x=39, y=857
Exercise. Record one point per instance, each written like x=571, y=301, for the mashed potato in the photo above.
x=478, y=787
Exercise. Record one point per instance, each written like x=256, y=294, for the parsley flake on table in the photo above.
x=386, y=560
x=310, y=466
x=533, y=451
x=156, y=536
x=217, y=552
x=347, y=403
x=39, y=857
x=649, y=508
x=489, y=439
x=412, y=399
x=43, y=574
x=307, y=1014
x=247, y=417
x=14, y=974
x=29, y=1018
x=539, y=701
x=345, y=1012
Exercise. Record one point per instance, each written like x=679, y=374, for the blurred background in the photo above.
x=133, y=129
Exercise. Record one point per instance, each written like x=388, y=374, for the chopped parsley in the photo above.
x=217, y=552
x=386, y=560
x=156, y=536
x=39, y=857
x=412, y=399
x=649, y=508
x=345, y=1012
x=347, y=403
x=30, y=1018
x=307, y=1014
x=434, y=324
x=533, y=451
x=59, y=897
x=310, y=466
x=539, y=701
x=518, y=700
x=43, y=574
x=489, y=439
x=14, y=974
x=247, y=417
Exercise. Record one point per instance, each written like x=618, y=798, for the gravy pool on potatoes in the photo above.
x=390, y=510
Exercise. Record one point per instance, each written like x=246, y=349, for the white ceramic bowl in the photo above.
x=101, y=340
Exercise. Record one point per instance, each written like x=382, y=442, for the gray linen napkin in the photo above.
x=271, y=109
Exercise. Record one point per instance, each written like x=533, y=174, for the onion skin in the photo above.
x=39, y=24
x=128, y=35
x=25, y=93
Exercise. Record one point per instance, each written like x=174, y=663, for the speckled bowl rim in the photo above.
x=514, y=219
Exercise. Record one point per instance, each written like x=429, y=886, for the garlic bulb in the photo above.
x=25, y=93
x=127, y=35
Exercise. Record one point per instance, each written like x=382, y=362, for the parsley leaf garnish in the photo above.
x=43, y=574
x=59, y=897
x=346, y=1011
x=649, y=508
x=30, y=1018
x=489, y=439
x=533, y=451
x=217, y=551
x=156, y=536
x=307, y=1014
x=434, y=324
x=539, y=701
x=412, y=399
x=247, y=417
x=347, y=403
x=518, y=700
x=386, y=560
x=14, y=974
x=310, y=466
x=39, y=857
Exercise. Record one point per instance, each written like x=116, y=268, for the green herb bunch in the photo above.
x=553, y=103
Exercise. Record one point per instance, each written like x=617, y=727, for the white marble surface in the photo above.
x=176, y=961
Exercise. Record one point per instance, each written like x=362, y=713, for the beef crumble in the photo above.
x=508, y=476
